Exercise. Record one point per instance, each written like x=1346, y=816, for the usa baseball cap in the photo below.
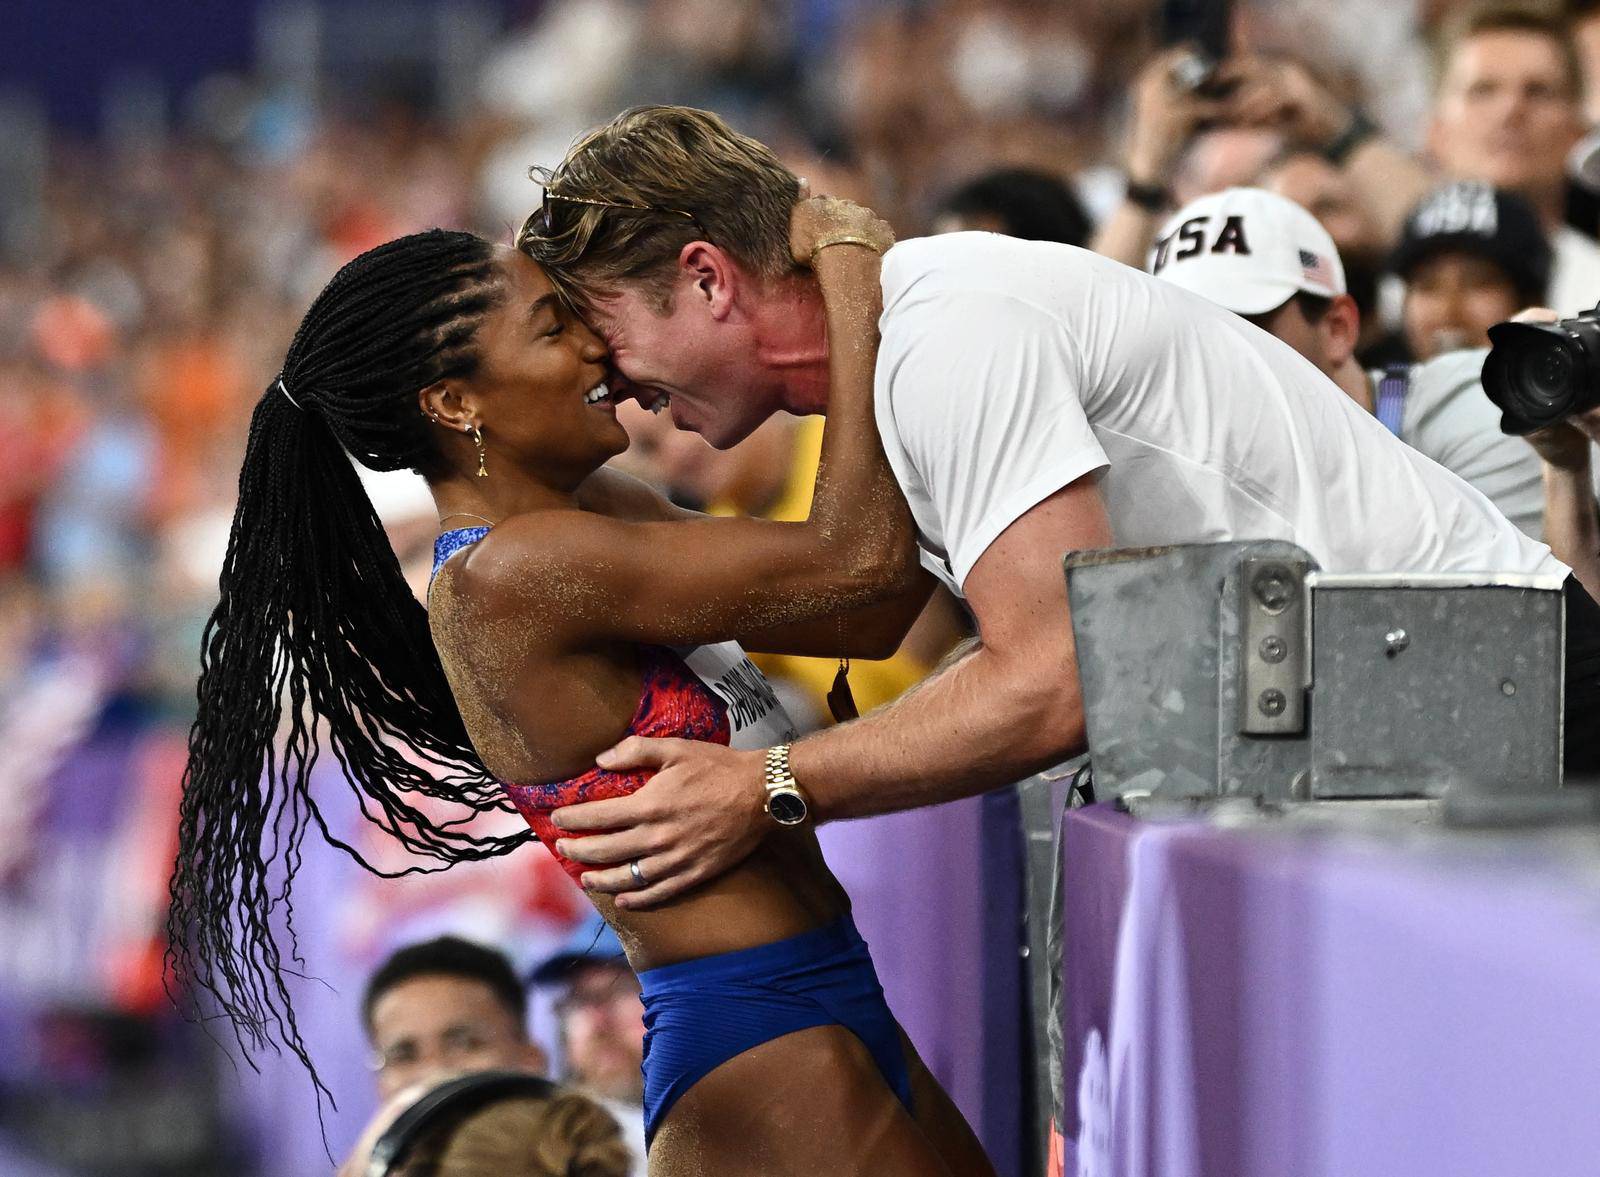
x=1472, y=217
x=591, y=942
x=1248, y=250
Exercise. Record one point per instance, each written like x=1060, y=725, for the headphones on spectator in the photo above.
x=460, y=1096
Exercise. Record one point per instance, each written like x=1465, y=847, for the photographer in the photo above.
x=1566, y=453
x=499, y=1123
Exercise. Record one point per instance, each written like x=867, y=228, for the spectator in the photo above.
x=1470, y=257
x=1256, y=109
x=1572, y=517
x=1018, y=202
x=1584, y=16
x=491, y=1124
x=1267, y=259
x=1327, y=193
x=602, y=1024
x=1508, y=112
x=446, y=1005
x=1165, y=117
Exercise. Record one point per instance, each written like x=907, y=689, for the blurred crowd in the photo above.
x=152, y=276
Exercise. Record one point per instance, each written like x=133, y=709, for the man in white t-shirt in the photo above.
x=1033, y=399
x=1282, y=272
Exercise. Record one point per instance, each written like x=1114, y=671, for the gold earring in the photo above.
x=477, y=440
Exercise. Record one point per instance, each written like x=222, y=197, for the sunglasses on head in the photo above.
x=546, y=215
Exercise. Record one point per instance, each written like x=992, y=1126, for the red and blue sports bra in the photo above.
x=712, y=693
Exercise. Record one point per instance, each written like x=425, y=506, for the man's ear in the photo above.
x=711, y=274
x=1342, y=326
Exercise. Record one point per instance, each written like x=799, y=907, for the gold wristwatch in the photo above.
x=785, y=802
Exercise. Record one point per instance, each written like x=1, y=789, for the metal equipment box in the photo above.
x=1239, y=669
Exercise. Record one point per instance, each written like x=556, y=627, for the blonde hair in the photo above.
x=568, y=1135
x=1537, y=18
x=691, y=176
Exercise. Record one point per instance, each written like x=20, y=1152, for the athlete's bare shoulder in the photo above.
x=622, y=496
x=508, y=568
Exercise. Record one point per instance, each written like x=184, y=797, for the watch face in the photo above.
x=787, y=807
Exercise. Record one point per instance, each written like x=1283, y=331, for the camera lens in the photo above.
x=1544, y=380
x=1540, y=373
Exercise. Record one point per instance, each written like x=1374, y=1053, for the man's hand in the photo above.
x=1166, y=116
x=1562, y=445
x=1281, y=94
x=701, y=815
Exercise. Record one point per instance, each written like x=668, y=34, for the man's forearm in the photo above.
x=1127, y=235
x=1572, y=521
x=980, y=723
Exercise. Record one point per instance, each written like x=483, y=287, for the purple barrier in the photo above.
x=936, y=894
x=1263, y=1003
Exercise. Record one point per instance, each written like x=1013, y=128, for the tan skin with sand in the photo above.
x=538, y=626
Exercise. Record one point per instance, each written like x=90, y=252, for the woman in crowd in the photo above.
x=570, y=606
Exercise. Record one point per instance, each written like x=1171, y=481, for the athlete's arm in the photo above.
x=1009, y=708
x=869, y=632
x=873, y=631
x=591, y=577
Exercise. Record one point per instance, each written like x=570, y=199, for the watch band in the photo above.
x=786, y=804
x=778, y=774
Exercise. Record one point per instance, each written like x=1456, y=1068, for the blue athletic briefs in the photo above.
x=701, y=1013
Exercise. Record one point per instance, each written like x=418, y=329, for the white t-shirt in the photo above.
x=1009, y=369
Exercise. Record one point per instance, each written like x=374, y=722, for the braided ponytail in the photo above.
x=314, y=612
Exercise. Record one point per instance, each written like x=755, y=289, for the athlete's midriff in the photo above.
x=673, y=703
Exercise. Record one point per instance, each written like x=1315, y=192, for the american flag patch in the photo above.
x=1316, y=269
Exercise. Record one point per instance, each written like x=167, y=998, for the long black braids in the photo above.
x=315, y=613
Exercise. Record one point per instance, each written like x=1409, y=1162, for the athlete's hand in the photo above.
x=701, y=815
x=817, y=218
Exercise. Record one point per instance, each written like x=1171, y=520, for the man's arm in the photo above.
x=1009, y=708
x=1164, y=119
x=1571, y=515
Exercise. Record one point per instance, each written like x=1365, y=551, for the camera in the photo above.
x=1540, y=373
x=1206, y=27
